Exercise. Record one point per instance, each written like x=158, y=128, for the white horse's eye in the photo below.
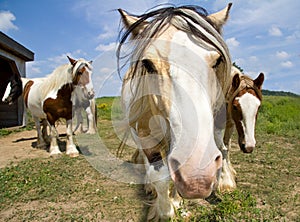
x=149, y=66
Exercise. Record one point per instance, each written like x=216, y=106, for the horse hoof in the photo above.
x=54, y=151
x=56, y=155
x=73, y=155
x=227, y=188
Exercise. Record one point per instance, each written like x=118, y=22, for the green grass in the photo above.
x=268, y=180
x=280, y=116
x=109, y=108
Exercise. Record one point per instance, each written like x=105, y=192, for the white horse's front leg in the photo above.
x=227, y=178
x=71, y=149
x=157, y=181
x=54, y=149
x=162, y=207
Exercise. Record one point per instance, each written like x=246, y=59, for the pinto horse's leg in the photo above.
x=45, y=131
x=54, y=149
x=227, y=178
x=40, y=140
x=71, y=149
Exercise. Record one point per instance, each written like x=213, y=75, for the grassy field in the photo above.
x=66, y=189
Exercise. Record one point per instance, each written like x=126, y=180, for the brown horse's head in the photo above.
x=244, y=107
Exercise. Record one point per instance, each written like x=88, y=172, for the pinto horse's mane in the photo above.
x=62, y=75
x=59, y=77
x=189, y=19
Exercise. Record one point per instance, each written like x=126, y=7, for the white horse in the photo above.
x=179, y=71
x=51, y=98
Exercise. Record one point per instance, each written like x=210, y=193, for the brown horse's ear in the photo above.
x=259, y=80
x=130, y=20
x=236, y=81
x=220, y=18
x=72, y=61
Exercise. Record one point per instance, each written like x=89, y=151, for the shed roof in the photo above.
x=15, y=48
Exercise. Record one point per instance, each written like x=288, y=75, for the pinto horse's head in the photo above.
x=245, y=104
x=13, y=90
x=82, y=75
x=179, y=68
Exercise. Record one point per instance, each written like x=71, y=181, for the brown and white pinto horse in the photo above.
x=179, y=69
x=244, y=100
x=50, y=98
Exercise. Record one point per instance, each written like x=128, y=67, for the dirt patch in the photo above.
x=22, y=145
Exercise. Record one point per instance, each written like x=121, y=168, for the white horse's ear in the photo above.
x=129, y=20
x=91, y=62
x=72, y=61
x=219, y=18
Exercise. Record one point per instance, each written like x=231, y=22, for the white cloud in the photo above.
x=32, y=69
x=232, y=42
x=253, y=58
x=294, y=36
x=106, y=70
x=287, y=64
x=62, y=59
x=6, y=21
x=105, y=48
x=108, y=33
x=275, y=31
x=282, y=55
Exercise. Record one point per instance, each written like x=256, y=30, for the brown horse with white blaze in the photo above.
x=244, y=100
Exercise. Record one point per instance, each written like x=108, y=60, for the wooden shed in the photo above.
x=13, y=57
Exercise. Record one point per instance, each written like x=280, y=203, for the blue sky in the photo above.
x=262, y=35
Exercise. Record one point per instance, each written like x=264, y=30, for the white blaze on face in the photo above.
x=191, y=116
x=7, y=91
x=249, y=105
